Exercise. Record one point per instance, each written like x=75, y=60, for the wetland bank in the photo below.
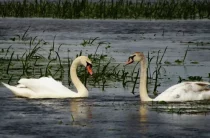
x=34, y=47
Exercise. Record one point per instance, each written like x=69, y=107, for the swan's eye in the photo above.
x=89, y=64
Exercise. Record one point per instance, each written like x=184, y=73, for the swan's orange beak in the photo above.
x=129, y=61
x=89, y=69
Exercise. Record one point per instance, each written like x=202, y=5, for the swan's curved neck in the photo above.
x=82, y=91
x=143, y=81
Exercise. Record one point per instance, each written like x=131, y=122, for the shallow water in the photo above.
x=114, y=112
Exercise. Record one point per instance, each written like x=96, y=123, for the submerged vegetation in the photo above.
x=104, y=9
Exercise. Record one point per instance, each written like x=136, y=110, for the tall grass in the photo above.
x=103, y=9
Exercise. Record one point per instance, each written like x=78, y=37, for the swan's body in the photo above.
x=185, y=91
x=47, y=87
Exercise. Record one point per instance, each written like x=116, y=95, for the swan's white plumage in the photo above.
x=47, y=87
x=44, y=87
x=185, y=91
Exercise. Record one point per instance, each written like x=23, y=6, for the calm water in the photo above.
x=114, y=112
x=110, y=116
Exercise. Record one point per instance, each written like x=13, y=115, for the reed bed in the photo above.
x=32, y=63
x=107, y=9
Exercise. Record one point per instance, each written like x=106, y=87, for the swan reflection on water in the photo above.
x=143, y=118
x=79, y=110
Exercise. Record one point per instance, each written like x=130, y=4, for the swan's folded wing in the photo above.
x=196, y=86
x=184, y=91
x=44, y=84
x=21, y=86
x=189, y=86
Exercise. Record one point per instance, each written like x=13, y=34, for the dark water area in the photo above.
x=94, y=117
x=114, y=112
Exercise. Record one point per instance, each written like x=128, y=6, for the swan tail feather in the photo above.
x=19, y=91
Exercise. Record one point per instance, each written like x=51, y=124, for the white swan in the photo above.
x=47, y=87
x=185, y=91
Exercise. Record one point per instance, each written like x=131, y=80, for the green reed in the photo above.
x=10, y=60
x=135, y=81
x=7, y=50
x=69, y=61
x=183, y=60
x=149, y=60
x=103, y=9
x=157, y=70
x=124, y=76
x=30, y=59
x=191, y=78
x=185, y=54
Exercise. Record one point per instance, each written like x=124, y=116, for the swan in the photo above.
x=185, y=91
x=47, y=87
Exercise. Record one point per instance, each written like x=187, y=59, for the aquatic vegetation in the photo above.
x=107, y=73
x=31, y=63
x=178, y=61
x=194, y=62
x=157, y=71
x=190, y=78
x=89, y=42
x=74, y=9
x=134, y=84
x=72, y=117
x=154, y=77
x=167, y=62
x=185, y=54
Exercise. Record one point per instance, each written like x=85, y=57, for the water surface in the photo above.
x=115, y=112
